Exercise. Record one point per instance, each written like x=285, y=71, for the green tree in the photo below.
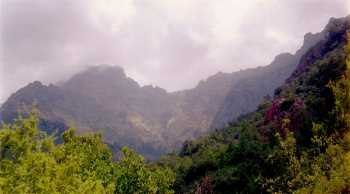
x=134, y=176
x=30, y=162
x=331, y=169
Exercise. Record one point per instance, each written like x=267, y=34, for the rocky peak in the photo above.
x=101, y=80
x=97, y=73
x=333, y=35
x=338, y=25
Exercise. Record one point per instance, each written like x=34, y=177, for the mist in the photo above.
x=169, y=43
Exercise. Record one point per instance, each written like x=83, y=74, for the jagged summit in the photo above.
x=153, y=121
x=99, y=72
x=295, y=142
x=333, y=35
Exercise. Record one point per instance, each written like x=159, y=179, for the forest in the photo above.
x=296, y=142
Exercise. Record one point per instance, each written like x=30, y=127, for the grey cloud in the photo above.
x=157, y=43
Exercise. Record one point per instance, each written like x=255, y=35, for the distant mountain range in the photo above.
x=296, y=142
x=150, y=119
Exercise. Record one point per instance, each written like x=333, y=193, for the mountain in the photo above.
x=149, y=119
x=296, y=142
x=257, y=83
x=99, y=99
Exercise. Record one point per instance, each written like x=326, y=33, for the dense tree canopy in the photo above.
x=30, y=162
x=298, y=142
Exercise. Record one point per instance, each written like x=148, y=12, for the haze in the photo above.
x=169, y=43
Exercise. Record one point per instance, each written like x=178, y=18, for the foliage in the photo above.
x=134, y=176
x=331, y=169
x=298, y=142
x=30, y=162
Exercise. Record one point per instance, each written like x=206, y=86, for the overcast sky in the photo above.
x=169, y=43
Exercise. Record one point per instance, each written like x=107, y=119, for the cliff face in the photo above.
x=149, y=119
x=321, y=43
x=248, y=92
x=290, y=137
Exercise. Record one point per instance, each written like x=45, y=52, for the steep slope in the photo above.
x=126, y=113
x=297, y=142
x=249, y=91
x=99, y=99
x=149, y=119
x=46, y=98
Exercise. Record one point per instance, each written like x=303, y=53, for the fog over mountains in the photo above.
x=150, y=119
x=169, y=43
x=280, y=128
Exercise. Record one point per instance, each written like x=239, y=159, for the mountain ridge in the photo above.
x=150, y=119
x=295, y=142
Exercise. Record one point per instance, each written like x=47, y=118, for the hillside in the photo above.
x=149, y=119
x=296, y=142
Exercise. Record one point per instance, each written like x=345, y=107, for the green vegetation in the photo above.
x=30, y=162
x=299, y=142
